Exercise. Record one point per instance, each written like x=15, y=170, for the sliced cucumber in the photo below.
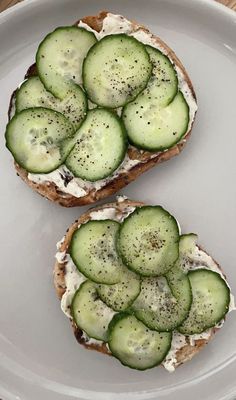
x=60, y=57
x=135, y=345
x=121, y=295
x=180, y=287
x=163, y=304
x=187, y=245
x=90, y=313
x=100, y=146
x=153, y=127
x=148, y=241
x=33, y=94
x=116, y=70
x=163, y=85
x=39, y=139
x=211, y=298
x=93, y=251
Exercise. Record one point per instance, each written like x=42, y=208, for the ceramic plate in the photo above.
x=39, y=357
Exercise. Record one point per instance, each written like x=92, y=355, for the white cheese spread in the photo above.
x=73, y=280
x=63, y=178
x=77, y=187
x=90, y=340
x=178, y=341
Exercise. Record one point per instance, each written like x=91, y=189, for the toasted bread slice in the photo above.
x=146, y=159
x=184, y=354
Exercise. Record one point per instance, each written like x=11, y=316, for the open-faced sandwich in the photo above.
x=136, y=288
x=106, y=101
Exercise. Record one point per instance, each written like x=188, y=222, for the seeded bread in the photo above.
x=184, y=354
x=147, y=159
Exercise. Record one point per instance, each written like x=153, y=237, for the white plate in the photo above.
x=39, y=357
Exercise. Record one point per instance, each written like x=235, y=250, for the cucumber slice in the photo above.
x=148, y=241
x=90, y=313
x=116, y=70
x=152, y=127
x=33, y=94
x=93, y=251
x=163, y=304
x=187, y=245
x=39, y=139
x=163, y=85
x=100, y=146
x=211, y=298
x=60, y=57
x=135, y=345
x=121, y=295
x=180, y=287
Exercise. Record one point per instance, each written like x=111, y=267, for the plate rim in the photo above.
x=210, y=4
x=5, y=17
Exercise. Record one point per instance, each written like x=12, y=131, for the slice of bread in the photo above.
x=146, y=159
x=184, y=354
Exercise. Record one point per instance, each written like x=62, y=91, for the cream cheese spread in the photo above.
x=73, y=279
x=90, y=340
x=62, y=177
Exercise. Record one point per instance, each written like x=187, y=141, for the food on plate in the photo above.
x=105, y=101
x=136, y=288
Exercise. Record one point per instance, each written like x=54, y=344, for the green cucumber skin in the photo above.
x=186, y=235
x=190, y=302
x=126, y=263
x=159, y=148
x=79, y=267
x=212, y=325
x=171, y=280
x=74, y=317
x=123, y=154
x=18, y=161
x=162, y=328
x=72, y=309
x=178, y=266
x=168, y=278
x=169, y=62
x=39, y=49
x=183, y=238
x=128, y=310
x=24, y=84
x=90, y=51
x=119, y=317
x=129, y=304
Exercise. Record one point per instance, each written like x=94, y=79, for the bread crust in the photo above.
x=186, y=353
x=147, y=159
